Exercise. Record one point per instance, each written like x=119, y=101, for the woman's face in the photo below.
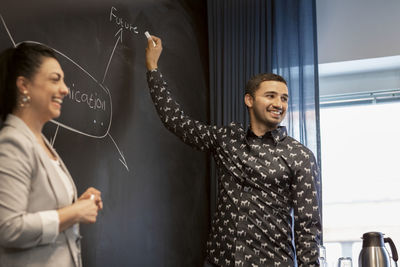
x=47, y=90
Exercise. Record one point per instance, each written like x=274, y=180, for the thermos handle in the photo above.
x=392, y=248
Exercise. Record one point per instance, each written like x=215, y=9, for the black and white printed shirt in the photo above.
x=263, y=183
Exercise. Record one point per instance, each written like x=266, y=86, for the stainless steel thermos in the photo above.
x=374, y=253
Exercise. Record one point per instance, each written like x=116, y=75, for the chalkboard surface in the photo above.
x=153, y=186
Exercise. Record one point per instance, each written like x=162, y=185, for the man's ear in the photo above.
x=248, y=100
x=22, y=84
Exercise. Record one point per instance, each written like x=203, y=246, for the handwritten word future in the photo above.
x=121, y=22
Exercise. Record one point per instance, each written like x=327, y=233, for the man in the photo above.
x=266, y=178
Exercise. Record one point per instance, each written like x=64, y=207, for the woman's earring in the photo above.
x=25, y=99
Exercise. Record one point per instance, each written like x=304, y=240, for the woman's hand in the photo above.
x=84, y=210
x=93, y=193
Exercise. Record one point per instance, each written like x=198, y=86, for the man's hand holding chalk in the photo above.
x=153, y=51
x=148, y=36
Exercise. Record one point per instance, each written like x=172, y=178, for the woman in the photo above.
x=39, y=210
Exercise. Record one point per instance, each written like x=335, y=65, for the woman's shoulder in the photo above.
x=13, y=140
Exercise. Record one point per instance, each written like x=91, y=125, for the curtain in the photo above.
x=247, y=37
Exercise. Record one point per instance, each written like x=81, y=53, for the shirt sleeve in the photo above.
x=50, y=226
x=306, y=205
x=190, y=131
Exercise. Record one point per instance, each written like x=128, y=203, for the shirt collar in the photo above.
x=277, y=135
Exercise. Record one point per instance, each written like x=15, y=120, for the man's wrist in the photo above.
x=151, y=67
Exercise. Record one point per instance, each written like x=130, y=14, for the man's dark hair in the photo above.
x=23, y=60
x=255, y=81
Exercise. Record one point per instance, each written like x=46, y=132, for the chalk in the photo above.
x=149, y=37
x=91, y=197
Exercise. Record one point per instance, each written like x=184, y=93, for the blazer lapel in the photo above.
x=59, y=190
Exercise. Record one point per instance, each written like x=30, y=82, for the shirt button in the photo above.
x=246, y=189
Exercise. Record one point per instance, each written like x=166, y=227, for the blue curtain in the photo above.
x=247, y=37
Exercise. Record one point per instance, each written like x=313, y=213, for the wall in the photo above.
x=358, y=30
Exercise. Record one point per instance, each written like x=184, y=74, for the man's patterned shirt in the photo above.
x=263, y=184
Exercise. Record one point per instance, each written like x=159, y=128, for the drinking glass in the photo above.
x=345, y=262
x=322, y=256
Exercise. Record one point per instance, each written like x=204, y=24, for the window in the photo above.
x=360, y=145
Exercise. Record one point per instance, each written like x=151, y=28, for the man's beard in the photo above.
x=260, y=118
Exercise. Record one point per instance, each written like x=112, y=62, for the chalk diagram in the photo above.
x=92, y=96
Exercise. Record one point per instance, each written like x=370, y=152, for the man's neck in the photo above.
x=260, y=129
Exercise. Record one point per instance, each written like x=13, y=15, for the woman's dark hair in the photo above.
x=23, y=60
x=253, y=84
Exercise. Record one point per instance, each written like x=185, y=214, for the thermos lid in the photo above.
x=373, y=239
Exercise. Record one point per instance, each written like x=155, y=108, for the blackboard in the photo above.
x=155, y=188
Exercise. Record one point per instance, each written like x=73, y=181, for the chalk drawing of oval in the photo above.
x=87, y=109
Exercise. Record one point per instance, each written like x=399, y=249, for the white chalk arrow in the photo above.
x=53, y=139
x=122, y=159
x=119, y=39
x=8, y=32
